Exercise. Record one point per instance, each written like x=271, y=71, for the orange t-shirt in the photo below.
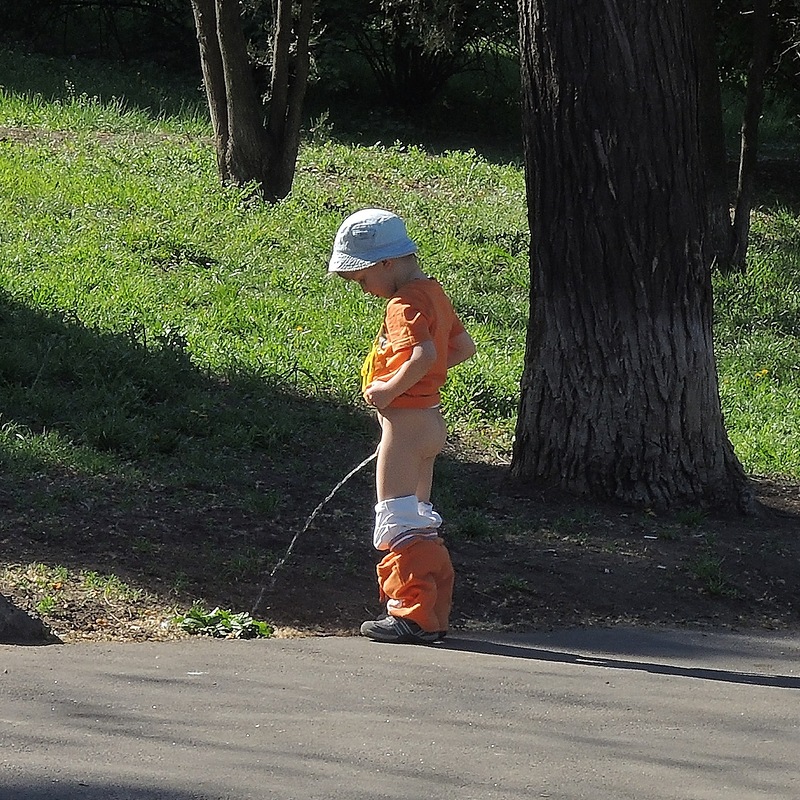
x=419, y=312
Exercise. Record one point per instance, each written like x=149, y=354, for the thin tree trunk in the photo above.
x=291, y=65
x=249, y=150
x=205, y=20
x=719, y=238
x=748, y=159
x=619, y=392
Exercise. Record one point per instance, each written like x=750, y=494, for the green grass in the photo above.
x=155, y=321
x=150, y=312
x=758, y=342
x=39, y=92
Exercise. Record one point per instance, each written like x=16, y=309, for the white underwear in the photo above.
x=398, y=516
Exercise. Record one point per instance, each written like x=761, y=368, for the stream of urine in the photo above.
x=269, y=584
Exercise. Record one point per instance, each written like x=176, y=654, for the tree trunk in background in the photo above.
x=291, y=64
x=748, y=158
x=205, y=20
x=619, y=392
x=719, y=239
x=247, y=150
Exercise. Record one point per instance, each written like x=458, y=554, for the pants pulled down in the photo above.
x=416, y=582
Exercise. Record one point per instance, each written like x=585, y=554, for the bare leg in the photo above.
x=410, y=441
x=425, y=481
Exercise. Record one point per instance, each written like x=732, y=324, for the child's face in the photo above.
x=375, y=280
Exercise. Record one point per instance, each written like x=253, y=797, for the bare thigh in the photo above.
x=411, y=438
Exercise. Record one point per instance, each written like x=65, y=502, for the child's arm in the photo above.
x=460, y=348
x=381, y=393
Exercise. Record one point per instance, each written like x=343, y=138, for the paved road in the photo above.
x=616, y=714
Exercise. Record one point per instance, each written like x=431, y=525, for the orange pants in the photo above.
x=417, y=582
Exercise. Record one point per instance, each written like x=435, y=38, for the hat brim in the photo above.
x=345, y=262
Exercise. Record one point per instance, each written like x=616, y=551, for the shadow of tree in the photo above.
x=83, y=790
x=553, y=655
x=120, y=455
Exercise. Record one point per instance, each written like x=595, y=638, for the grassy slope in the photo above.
x=158, y=328
x=116, y=220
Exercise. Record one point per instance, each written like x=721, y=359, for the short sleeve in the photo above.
x=406, y=326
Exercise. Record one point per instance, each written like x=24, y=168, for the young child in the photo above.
x=420, y=339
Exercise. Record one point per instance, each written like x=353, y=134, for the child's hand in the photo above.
x=378, y=394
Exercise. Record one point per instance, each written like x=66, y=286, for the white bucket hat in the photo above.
x=369, y=236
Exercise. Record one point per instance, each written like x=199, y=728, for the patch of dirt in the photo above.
x=522, y=563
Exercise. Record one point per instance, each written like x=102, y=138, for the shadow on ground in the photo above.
x=606, y=662
x=122, y=463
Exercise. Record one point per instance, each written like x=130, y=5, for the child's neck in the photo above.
x=407, y=274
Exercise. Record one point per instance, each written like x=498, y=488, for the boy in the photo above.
x=420, y=339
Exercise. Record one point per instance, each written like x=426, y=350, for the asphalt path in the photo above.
x=645, y=714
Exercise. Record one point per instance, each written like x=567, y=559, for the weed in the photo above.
x=707, y=568
x=691, y=517
x=263, y=502
x=511, y=583
x=221, y=624
x=473, y=525
x=110, y=586
x=180, y=582
x=46, y=605
x=319, y=573
x=144, y=546
x=248, y=563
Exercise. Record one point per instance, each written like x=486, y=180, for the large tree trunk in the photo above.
x=18, y=627
x=619, y=392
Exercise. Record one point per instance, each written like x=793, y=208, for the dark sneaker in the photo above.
x=397, y=630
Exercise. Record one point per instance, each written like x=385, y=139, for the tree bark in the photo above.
x=291, y=65
x=205, y=20
x=248, y=151
x=619, y=395
x=18, y=627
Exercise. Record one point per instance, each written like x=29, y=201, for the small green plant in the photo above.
x=111, y=586
x=576, y=521
x=511, y=583
x=473, y=525
x=691, y=517
x=46, y=605
x=707, y=567
x=180, y=582
x=247, y=563
x=668, y=534
x=262, y=502
x=143, y=546
x=222, y=624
